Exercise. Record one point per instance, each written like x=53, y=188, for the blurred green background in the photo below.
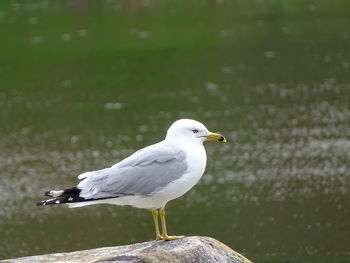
x=84, y=84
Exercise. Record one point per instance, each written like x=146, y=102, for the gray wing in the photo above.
x=146, y=171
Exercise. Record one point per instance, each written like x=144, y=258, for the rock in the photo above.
x=188, y=249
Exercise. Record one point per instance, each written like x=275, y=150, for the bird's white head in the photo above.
x=191, y=131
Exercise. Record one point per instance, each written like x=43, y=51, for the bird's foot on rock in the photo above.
x=167, y=238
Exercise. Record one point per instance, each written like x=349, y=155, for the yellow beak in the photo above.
x=216, y=137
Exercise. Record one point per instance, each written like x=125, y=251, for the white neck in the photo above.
x=183, y=141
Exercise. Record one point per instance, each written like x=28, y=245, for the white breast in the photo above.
x=196, y=161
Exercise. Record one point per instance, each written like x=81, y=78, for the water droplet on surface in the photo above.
x=143, y=34
x=212, y=88
x=227, y=69
x=285, y=30
x=260, y=23
x=143, y=128
x=113, y=106
x=67, y=83
x=346, y=35
x=195, y=99
x=74, y=139
x=326, y=59
x=312, y=8
x=37, y=39
x=66, y=37
x=269, y=54
x=225, y=32
x=83, y=32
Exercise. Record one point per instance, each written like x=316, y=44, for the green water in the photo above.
x=84, y=84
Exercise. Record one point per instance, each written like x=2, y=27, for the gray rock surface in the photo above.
x=188, y=250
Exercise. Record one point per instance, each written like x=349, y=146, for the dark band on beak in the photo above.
x=216, y=137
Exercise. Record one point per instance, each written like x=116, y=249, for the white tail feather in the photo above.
x=55, y=193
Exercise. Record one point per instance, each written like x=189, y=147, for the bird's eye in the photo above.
x=195, y=131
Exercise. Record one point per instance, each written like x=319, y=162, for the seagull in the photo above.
x=149, y=178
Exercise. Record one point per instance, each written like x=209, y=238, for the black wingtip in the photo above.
x=70, y=195
x=44, y=202
x=53, y=201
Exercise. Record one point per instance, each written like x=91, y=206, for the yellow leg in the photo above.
x=164, y=231
x=156, y=225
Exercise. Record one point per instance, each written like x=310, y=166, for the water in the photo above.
x=85, y=85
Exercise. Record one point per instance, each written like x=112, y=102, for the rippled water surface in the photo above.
x=85, y=84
